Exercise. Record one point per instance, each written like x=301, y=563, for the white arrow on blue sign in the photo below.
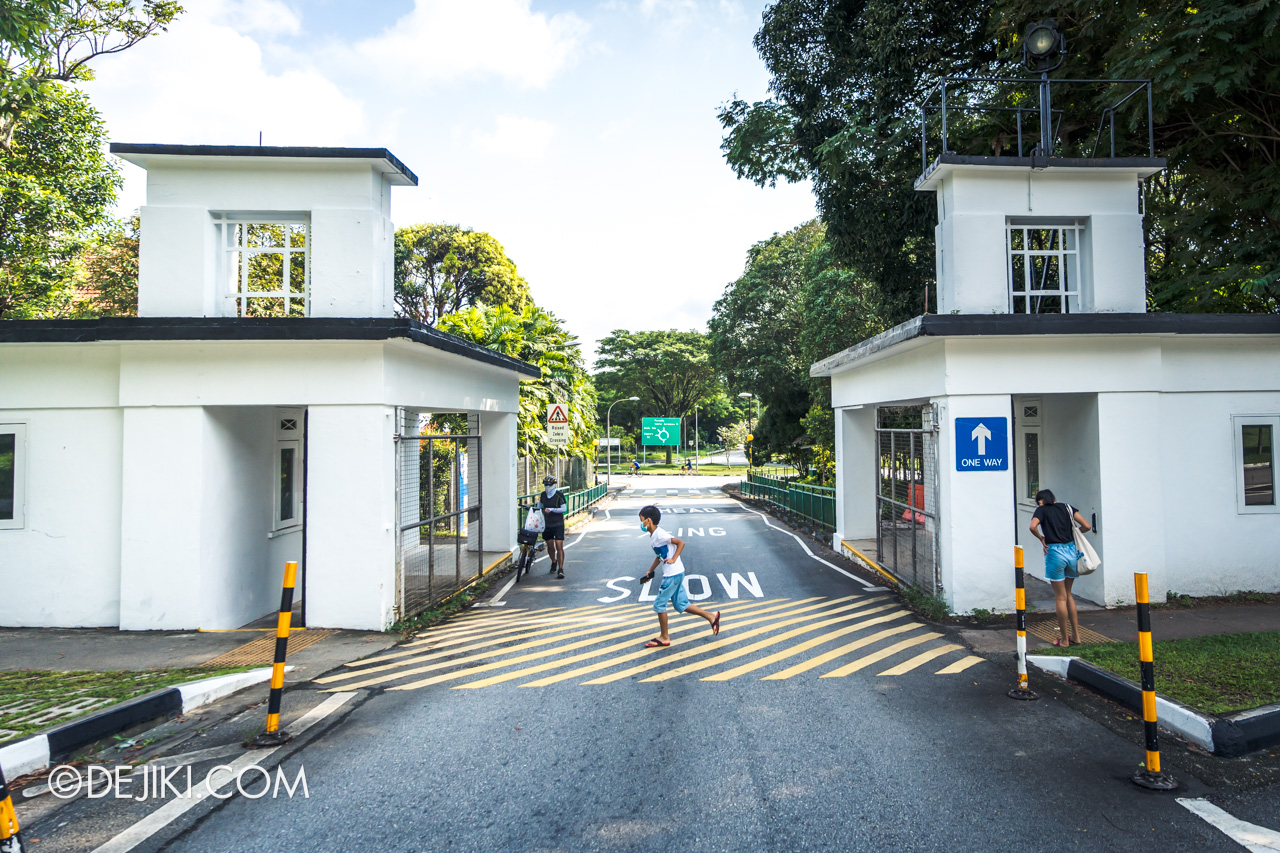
x=982, y=444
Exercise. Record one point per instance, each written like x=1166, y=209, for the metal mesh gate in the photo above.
x=439, y=548
x=907, y=494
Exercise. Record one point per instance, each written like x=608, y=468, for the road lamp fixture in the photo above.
x=751, y=456
x=608, y=436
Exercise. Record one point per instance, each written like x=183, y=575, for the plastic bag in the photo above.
x=535, y=522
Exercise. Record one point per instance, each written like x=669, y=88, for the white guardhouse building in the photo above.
x=163, y=468
x=1042, y=369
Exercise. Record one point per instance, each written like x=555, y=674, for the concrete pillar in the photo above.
x=856, y=462
x=161, y=518
x=351, y=470
x=498, y=472
x=1131, y=484
x=976, y=509
x=475, y=492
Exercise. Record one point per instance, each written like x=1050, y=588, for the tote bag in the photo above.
x=1090, y=562
x=535, y=523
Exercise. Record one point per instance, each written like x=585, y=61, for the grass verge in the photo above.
x=27, y=696
x=460, y=600
x=1218, y=675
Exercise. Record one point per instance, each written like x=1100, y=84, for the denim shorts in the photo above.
x=672, y=590
x=1060, y=562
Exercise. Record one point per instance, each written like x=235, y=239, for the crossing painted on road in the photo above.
x=766, y=640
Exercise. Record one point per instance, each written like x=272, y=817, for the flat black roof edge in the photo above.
x=267, y=151
x=1022, y=325
x=254, y=329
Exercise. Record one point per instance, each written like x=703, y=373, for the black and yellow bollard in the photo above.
x=1150, y=776
x=1023, y=690
x=273, y=736
x=10, y=835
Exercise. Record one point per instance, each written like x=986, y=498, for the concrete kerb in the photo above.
x=1229, y=736
x=36, y=753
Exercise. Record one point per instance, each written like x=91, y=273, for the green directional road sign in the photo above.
x=660, y=431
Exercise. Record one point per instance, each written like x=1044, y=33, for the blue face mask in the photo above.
x=642, y=527
x=551, y=491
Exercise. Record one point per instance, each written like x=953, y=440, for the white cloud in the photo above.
x=516, y=137
x=269, y=18
x=444, y=40
x=202, y=82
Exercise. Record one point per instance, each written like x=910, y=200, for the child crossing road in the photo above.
x=671, y=591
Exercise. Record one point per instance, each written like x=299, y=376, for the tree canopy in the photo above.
x=442, y=269
x=56, y=183
x=47, y=42
x=793, y=305
x=538, y=337
x=849, y=75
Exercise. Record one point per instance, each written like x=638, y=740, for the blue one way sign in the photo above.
x=982, y=444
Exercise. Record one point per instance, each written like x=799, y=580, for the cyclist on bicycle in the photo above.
x=635, y=466
x=553, y=505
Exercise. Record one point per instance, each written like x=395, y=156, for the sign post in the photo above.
x=558, y=424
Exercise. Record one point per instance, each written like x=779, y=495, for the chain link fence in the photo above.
x=907, y=495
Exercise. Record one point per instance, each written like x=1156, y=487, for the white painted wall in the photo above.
x=976, y=526
x=1210, y=547
x=350, y=517
x=498, y=479
x=976, y=202
x=162, y=499
x=62, y=569
x=351, y=233
x=856, y=456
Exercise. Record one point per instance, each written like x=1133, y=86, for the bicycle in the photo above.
x=529, y=547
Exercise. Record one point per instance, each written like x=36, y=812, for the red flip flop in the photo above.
x=715, y=625
x=655, y=643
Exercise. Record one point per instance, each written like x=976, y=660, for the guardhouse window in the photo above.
x=1256, y=462
x=265, y=263
x=13, y=476
x=287, y=473
x=1044, y=265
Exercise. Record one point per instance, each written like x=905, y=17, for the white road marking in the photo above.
x=650, y=491
x=1254, y=838
x=172, y=810
x=865, y=583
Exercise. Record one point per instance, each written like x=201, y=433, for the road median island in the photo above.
x=1221, y=692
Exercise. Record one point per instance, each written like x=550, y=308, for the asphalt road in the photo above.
x=822, y=718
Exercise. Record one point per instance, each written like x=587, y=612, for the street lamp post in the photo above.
x=608, y=437
x=751, y=456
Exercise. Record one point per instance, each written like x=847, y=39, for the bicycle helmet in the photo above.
x=548, y=480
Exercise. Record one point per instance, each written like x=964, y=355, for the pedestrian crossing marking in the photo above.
x=763, y=644
x=826, y=657
x=596, y=667
x=735, y=637
x=501, y=650
x=650, y=491
x=876, y=657
x=920, y=659
x=601, y=645
x=804, y=647
x=960, y=665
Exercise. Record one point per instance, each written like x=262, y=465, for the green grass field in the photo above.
x=1219, y=675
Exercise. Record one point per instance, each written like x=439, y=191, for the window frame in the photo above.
x=233, y=263
x=19, y=430
x=1024, y=426
x=1072, y=288
x=287, y=440
x=1238, y=422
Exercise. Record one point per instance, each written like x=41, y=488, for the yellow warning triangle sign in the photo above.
x=558, y=415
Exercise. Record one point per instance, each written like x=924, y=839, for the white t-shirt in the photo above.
x=660, y=542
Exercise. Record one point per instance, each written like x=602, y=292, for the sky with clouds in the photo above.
x=582, y=135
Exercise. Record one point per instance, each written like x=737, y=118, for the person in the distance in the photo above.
x=1060, y=558
x=553, y=504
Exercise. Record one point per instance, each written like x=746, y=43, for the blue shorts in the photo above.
x=672, y=590
x=1060, y=562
